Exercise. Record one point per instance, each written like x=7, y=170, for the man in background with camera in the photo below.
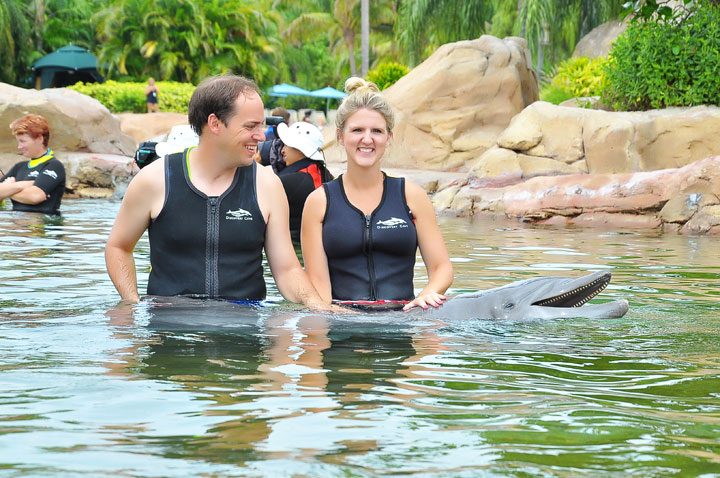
x=210, y=211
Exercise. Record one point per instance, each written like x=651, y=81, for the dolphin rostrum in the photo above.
x=539, y=298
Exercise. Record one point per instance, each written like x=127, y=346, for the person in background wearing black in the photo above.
x=36, y=185
x=304, y=169
x=151, y=96
x=270, y=150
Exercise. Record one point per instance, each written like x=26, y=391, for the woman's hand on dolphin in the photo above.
x=426, y=300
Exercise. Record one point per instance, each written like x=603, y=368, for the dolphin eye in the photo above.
x=509, y=305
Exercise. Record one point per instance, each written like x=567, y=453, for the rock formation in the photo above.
x=545, y=139
x=77, y=122
x=451, y=107
x=143, y=127
x=599, y=40
x=685, y=199
x=85, y=136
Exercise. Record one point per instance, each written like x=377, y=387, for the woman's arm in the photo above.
x=313, y=250
x=432, y=248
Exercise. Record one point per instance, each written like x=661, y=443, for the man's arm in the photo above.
x=132, y=220
x=292, y=281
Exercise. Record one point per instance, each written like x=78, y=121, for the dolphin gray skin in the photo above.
x=540, y=298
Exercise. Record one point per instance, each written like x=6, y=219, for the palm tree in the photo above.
x=187, y=40
x=69, y=21
x=340, y=26
x=426, y=24
x=15, y=40
x=558, y=24
x=365, y=36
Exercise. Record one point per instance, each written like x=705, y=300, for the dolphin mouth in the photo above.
x=578, y=295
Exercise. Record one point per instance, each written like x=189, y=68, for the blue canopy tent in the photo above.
x=328, y=93
x=65, y=67
x=283, y=89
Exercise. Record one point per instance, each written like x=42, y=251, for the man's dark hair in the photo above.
x=217, y=94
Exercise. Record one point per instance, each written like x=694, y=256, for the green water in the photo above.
x=89, y=389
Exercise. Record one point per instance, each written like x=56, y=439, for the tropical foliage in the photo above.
x=387, y=73
x=187, y=40
x=667, y=63
x=551, y=27
x=15, y=40
x=576, y=77
x=126, y=96
x=316, y=43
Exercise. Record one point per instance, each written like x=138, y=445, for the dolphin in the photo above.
x=539, y=298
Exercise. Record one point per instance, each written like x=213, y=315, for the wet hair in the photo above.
x=280, y=111
x=363, y=94
x=217, y=95
x=33, y=125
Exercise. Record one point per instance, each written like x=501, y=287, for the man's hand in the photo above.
x=333, y=308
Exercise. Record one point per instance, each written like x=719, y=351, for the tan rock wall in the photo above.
x=688, y=197
x=609, y=142
x=451, y=107
x=145, y=126
x=77, y=122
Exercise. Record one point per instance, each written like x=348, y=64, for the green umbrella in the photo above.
x=66, y=66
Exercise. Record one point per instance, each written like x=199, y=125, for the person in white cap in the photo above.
x=304, y=169
x=210, y=211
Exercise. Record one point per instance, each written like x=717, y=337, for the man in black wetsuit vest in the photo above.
x=210, y=210
x=36, y=185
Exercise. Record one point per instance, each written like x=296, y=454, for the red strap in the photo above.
x=314, y=171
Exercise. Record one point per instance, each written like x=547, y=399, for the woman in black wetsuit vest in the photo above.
x=361, y=232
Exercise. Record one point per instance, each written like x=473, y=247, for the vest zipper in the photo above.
x=212, y=248
x=368, y=248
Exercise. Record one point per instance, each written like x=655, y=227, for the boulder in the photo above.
x=450, y=109
x=599, y=41
x=77, y=122
x=689, y=195
x=606, y=142
x=145, y=126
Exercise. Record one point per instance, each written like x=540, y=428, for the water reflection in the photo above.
x=91, y=387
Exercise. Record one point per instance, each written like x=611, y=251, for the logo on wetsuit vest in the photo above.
x=238, y=215
x=33, y=174
x=51, y=173
x=392, y=223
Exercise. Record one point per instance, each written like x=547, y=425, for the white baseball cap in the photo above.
x=180, y=137
x=302, y=136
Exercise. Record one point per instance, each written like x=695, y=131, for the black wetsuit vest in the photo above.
x=370, y=257
x=299, y=180
x=207, y=246
x=48, y=176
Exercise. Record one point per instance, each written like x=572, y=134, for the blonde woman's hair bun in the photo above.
x=356, y=84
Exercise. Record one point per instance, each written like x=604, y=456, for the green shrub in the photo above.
x=553, y=94
x=670, y=63
x=575, y=77
x=120, y=97
x=386, y=74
